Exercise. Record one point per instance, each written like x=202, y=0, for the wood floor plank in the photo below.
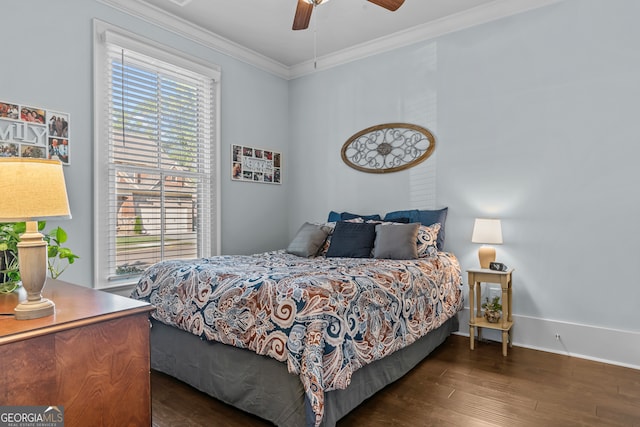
x=175, y=404
x=619, y=412
x=455, y=387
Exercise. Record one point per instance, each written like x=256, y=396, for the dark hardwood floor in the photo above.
x=455, y=387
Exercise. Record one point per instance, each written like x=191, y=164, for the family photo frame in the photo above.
x=35, y=132
x=251, y=164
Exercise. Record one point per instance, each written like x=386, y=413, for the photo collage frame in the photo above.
x=35, y=132
x=252, y=164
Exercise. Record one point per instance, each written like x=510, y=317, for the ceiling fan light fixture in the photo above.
x=316, y=2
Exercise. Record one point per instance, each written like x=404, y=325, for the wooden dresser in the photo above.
x=91, y=357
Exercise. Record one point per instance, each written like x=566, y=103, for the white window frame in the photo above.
x=102, y=33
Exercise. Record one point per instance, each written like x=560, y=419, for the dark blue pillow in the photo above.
x=413, y=215
x=400, y=220
x=346, y=215
x=352, y=240
x=425, y=217
x=337, y=216
x=334, y=216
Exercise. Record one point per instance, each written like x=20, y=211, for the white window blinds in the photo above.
x=159, y=166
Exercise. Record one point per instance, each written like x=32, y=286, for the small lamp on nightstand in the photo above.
x=32, y=189
x=487, y=232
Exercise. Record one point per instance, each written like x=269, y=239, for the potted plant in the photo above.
x=58, y=257
x=492, y=309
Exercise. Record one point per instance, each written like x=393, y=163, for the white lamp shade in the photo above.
x=32, y=189
x=487, y=231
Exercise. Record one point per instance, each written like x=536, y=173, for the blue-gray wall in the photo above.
x=47, y=62
x=535, y=118
x=536, y=121
x=539, y=112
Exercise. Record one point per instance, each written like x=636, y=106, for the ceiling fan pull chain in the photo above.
x=315, y=42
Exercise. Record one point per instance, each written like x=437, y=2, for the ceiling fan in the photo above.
x=305, y=7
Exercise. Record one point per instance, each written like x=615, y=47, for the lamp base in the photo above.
x=32, y=253
x=34, y=309
x=487, y=255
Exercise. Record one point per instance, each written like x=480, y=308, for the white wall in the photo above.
x=47, y=62
x=537, y=124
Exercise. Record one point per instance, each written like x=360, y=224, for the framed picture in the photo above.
x=33, y=151
x=9, y=149
x=9, y=111
x=252, y=164
x=58, y=136
x=36, y=132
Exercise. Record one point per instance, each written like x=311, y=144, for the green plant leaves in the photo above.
x=58, y=235
x=10, y=236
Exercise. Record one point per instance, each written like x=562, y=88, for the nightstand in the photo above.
x=503, y=278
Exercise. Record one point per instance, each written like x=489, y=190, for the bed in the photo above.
x=302, y=340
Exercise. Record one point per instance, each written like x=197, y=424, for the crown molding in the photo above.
x=183, y=28
x=478, y=15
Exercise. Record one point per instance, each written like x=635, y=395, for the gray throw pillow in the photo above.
x=396, y=241
x=308, y=240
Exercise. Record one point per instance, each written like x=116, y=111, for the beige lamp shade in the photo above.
x=487, y=232
x=32, y=189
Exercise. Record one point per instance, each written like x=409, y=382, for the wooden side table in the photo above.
x=476, y=320
x=91, y=357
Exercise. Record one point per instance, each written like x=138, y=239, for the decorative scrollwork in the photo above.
x=388, y=148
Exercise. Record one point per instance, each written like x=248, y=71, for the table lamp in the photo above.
x=32, y=190
x=487, y=232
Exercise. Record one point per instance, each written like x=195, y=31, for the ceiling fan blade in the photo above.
x=303, y=15
x=391, y=5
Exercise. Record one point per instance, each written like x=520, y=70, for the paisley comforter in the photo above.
x=324, y=317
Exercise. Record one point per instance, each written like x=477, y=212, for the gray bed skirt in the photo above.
x=263, y=386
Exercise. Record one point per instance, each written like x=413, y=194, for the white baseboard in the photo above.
x=611, y=346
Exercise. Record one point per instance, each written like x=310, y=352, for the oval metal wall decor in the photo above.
x=388, y=147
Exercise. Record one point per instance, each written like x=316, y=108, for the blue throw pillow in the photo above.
x=334, y=216
x=343, y=216
x=399, y=220
x=348, y=215
x=352, y=240
x=413, y=215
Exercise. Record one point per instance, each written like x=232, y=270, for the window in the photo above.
x=156, y=156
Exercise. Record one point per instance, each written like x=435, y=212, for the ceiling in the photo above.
x=262, y=28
